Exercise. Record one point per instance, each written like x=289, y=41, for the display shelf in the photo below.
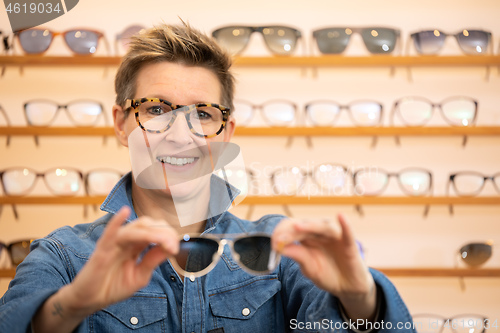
x=276, y=200
x=391, y=272
x=276, y=61
x=273, y=131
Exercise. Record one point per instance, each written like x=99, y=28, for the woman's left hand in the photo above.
x=328, y=255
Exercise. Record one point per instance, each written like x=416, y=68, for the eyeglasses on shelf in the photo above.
x=17, y=250
x=471, y=183
x=123, y=38
x=7, y=123
x=278, y=112
x=464, y=323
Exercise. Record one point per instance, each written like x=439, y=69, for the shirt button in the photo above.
x=172, y=278
x=245, y=312
x=191, y=278
x=134, y=320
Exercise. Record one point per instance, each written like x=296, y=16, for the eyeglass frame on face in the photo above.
x=451, y=180
x=453, y=320
x=396, y=175
x=433, y=105
x=135, y=103
x=221, y=242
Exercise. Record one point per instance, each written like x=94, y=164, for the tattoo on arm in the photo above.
x=58, y=310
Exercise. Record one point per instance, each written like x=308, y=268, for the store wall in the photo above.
x=394, y=236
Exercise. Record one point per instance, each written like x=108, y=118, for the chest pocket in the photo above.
x=136, y=312
x=242, y=301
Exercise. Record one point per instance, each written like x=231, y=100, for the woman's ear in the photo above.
x=229, y=128
x=119, y=120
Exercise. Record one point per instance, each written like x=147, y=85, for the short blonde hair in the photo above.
x=177, y=44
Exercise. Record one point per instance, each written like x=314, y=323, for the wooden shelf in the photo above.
x=391, y=272
x=275, y=200
x=276, y=61
x=273, y=131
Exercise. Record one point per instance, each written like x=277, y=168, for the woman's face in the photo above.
x=173, y=161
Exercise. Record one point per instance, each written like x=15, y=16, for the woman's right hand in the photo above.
x=117, y=269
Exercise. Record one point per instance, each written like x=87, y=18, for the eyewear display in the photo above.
x=199, y=254
x=362, y=113
x=466, y=323
x=470, y=41
x=274, y=112
x=155, y=115
x=417, y=111
x=17, y=250
x=280, y=40
x=60, y=181
x=378, y=40
x=470, y=183
x=476, y=254
x=80, y=41
x=123, y=38
x=81, y=113
x=7, y=122
x=412, y=181
x=290, y=181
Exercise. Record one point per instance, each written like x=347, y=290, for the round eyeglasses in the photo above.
x=156, y=115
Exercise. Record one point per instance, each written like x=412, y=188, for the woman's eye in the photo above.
x=156, y=110
x=203, y=115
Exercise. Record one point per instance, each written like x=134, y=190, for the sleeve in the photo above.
x=310, y=309
x=41, y=274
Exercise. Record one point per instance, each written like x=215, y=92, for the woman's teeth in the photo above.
x=176, y=160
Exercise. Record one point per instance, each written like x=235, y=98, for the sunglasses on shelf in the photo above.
x=465, y=323
x=79, y=41
x=418, y=111
x=123, y=38
x=280, y=40
x=471, y=183
x=199, y=254
x=378, y=40
x=83, y=112
x=473, y=42
x=17, y=250
x=412, y=181
x=476, y=254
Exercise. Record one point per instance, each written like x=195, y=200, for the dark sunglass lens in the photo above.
x=234, y=39
x=19, y=251
x=280, y=40
x=255, y=253
x=473, y=41
x=475, y=254
x=428, y=42
x=332, y=40
x=35, y=40
x=82, y=41
x=196, y=254
x=380, y=40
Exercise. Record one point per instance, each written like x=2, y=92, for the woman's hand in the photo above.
x=328, y=255
x=122, y=263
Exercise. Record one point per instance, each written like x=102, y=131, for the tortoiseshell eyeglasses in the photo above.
x=156, y=115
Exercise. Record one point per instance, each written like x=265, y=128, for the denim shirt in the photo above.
x=227, y=299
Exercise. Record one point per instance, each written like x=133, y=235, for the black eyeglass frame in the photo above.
x=451, y=181
x=414, y=35
x=8, y=247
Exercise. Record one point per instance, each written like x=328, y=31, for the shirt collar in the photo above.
x=222, y=195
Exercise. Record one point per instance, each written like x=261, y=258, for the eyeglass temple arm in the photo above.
x=7, y=120
x=461, y=280
x=409, y=75
x=106, y=123
x=447, y=193
x=391, y=122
